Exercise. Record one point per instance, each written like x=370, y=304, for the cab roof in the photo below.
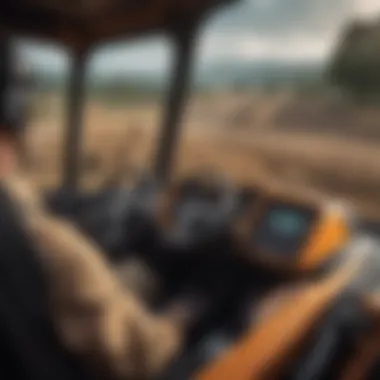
x=80, y=23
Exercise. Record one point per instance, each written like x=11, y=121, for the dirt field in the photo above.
x=331, y=147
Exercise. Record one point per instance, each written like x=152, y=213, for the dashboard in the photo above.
x=278, y=236
x=294, y=233
x=273, y=227
x=229, y=245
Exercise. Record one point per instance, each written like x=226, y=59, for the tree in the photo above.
x=355, y=66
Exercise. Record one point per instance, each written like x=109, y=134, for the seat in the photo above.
x=29, y=347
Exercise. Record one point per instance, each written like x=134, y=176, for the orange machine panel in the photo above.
x=277, y=340
x=329, y=235
x=326, y=232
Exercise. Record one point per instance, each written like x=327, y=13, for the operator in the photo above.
x=97, y=318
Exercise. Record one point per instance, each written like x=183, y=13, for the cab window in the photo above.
x=125, y=89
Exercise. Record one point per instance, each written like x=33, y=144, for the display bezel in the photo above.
x=289, y=258
x=243, y=230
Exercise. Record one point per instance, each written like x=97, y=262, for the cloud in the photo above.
x=152, y=55
x=44, y=56
x=367, y=8
x=299, y=49
x=285, y=30
x=291, y=30
x=286, y=16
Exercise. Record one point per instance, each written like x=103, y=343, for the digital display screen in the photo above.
x=283, y=229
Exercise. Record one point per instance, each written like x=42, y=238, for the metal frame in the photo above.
x=178, y=94
x=74, y=129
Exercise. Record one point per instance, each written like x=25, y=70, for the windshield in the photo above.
x=284, y=90
x=124, y=98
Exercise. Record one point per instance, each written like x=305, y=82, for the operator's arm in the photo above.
x=95, y=315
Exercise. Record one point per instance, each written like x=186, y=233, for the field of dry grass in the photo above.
x=249, y=139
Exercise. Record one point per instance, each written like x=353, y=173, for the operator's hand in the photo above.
x=187, y=309
x=137, y=277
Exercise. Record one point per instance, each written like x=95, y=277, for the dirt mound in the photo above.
x=328, y=117
x=303, y=156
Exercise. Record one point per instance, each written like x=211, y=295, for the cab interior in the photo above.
x=230, y=247
x=237, y=251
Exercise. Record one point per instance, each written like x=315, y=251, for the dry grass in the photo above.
x=263, y=151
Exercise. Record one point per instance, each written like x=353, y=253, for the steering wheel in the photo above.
x=198, y=210
x=138, y=216
x=118, y=217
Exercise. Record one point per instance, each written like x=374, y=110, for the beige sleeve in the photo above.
x=138, y=277
x=96, y=316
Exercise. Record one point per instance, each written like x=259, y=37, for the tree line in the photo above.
x=355, y=65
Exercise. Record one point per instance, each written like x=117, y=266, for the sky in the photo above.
x=255, y=30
